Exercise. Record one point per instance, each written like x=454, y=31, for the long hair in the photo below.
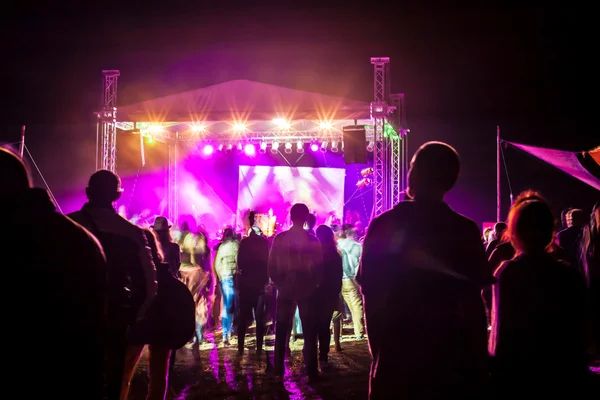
x=590, y=244
x=164, y=237
x=526, y=195
x=155, y=247
x=531, y=225
x=327, y=238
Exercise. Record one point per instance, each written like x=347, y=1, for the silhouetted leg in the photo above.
x=282, y=327
x=172, y=361
x=309, y=318
x=337, y=333
x=134, y=351
x=158, y=359
x=116, y=348
x=244, y=314
x=324, y=333
x=259, y=315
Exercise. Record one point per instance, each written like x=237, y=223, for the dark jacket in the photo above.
x=295, y=264
x=54, y=274
x=426, y=263
x=253, y=260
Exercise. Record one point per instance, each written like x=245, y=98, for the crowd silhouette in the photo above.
x=447, y=314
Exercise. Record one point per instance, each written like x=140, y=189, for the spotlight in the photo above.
x=282, y=123
x=334, y=147
x=239, y=147
x=314, y=147
x=274, y=147
x=263, y=148
x=288, y=148
x=363, y=183
x=250, y=150
x=220, y=147
x=300, y=146
x=323, y=146
x=370, y=146
x=229, y=147
x=325, y=125
x=239, y=127
x=155, y=128
x=198, y=128
x=366, y=172
x=208, y=150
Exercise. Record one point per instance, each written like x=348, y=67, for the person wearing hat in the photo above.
x=171, y=250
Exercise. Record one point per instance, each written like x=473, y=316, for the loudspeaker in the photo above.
x=355, y=144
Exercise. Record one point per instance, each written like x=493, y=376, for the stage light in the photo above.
x=334, y=147
x=366, y=172
x=229, y=147
x=288, y=148
x=314, y=147
x=198, y=128
x=155, y=128
x=220, y=147
x=149, y=139
x=325, y=125
x=263, y=148
x=208, y=150
x=274, y=147
x=323, y=146
x=250, y=150
x=363, y=183
x=282, y=123
x=239, y=127
x=300, y=146
x=370, y=146
x=239, y=147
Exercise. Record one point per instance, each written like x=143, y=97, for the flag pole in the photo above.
x=498, y=155
x=22, y=148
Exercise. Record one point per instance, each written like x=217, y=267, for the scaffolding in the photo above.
x=389, y=135
x=106, y=132
x=386, y=129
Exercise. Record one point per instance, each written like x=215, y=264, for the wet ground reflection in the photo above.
x=214, y=372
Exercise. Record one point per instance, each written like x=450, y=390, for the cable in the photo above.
x=43, y=180
x=506, y=173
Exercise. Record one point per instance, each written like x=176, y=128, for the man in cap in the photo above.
x=56, y=313
x=423, y=268
x=130, y=264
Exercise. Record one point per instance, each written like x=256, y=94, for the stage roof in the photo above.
x=244, y=100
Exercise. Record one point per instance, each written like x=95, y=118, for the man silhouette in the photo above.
x=423, y=267
x=296, y=271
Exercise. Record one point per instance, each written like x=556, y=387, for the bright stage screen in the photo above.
x=262, y=188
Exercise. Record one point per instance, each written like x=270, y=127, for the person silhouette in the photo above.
x=423, y=268
x=61, y=271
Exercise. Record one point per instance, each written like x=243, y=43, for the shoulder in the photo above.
x=465, y=224
x=79, y=237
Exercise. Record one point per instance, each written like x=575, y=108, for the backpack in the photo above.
x=171, y=320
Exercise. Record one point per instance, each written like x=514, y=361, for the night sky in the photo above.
x=462, y=74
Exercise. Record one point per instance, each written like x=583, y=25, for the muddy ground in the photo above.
x=215, y=372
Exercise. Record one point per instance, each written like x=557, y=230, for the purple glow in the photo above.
x=250, y=150
x=208, y=150
x=314, y=147
x=262, y=187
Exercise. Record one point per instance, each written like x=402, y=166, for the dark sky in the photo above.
x=462, y=74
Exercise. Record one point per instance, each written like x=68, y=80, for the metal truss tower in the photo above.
x=390, y=150
x=108, y=122
x=381, y=165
